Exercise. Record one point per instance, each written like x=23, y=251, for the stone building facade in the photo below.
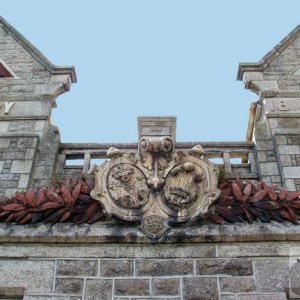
x=113, y=260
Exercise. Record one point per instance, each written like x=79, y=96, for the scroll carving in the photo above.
x=156, y=186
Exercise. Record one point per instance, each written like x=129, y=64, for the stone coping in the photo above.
x=114, y=232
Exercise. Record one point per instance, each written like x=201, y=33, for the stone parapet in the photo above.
x=114, y=232
x=114, y=261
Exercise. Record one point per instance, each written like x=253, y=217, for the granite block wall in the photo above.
x=81, y=265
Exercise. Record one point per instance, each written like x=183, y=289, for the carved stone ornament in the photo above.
x=157, y=186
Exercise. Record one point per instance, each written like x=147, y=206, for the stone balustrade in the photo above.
x=238, y=158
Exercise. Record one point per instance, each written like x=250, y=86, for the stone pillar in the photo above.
x=276, y=127
x=29, y=85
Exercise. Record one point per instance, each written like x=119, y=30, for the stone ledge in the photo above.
x=19, y=135
x=12, y=292
x=113, y=232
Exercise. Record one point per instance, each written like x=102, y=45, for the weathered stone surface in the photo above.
x=112, y=268
x=98, y=289
x=253, y=250
x=288, y=122
x=27, y=142
x=234, y=267
x=42, y=171
x=21, y=166
x=110, y=232
x=58, y=251
x=267, y=180
x=35, y=276
x=21, y=126
x=261, y=156
x=281, y=139
x=147, y=298
x=4, y=142
x=9, y=184
x=23, y=182
x=33, y=297
x=290, y=184
x=237, y=284
x=294, y=139
x=12, y=292
x=17, y=154
x=165, y=251
x=264, y=145
x=69, y=286
x=30, y=108
x=289, y=149
x=271, y=156
x=39, y=126
x=295, y=278
x=270, y=168
x=29, y=153
x=276, y=179
x=164, y=267
x=132, y=287
x=203, y=288
x=77, y=268
x=279, y=296
x=4, y=177
x=285, y=160
x=162, y=286
x=10, y=192
x=271, y=275
x=291, y=172
x=228, y=297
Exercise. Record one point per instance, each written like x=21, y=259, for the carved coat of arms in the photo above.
x=157, y=186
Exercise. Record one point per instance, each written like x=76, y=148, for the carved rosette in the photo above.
x=157, y=186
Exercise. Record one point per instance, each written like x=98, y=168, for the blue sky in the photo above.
x=163, y=57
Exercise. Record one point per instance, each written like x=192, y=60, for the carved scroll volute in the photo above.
x=155, y=154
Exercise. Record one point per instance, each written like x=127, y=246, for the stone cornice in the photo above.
x=114, y=232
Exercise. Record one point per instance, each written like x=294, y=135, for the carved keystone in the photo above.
x=160, y=185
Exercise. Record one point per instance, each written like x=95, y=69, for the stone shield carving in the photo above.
x=157, y=186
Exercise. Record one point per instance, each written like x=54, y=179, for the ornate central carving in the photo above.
x=158, y=185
